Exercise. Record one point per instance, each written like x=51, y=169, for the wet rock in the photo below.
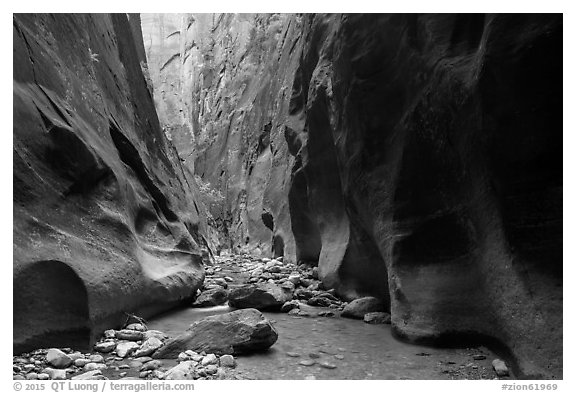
x=211, y=369
x=95, y=366
x=211, y=297
x=151, y=365
x=359, y=307
x=307, y=362
x=126, y=348
x=261, y=297
x=110, y=333
x=57, y=358
x=500, y=368
x=81, y=362
x=479, y=357
x=328, y=314
x=96, y=358
x=294, y=279
x=55, y=373
x=129, y=335
x=318, y=301
x=184, y=370
x=89, y=375
x=227, y=361
x=148, y=347
x=291, y=305
x=209, y=359
x=240, y=331
x=105, y=346
x=377, y=318
x=139, y=327
x=155, y=333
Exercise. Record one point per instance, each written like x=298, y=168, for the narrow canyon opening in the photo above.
x=288, y=196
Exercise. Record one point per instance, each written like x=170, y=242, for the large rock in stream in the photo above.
x=240, y=331
x=262, y=296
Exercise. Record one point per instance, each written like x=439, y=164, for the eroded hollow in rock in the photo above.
x=51, y=301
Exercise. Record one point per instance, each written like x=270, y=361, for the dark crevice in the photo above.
x=130, y=156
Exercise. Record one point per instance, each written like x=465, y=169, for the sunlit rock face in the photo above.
x=222, y=84
x=414, y=158
x=106, y=220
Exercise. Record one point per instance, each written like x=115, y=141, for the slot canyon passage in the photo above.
x=287, y=196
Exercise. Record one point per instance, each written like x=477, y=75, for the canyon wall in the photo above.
x=417, y=158
x=106, y=219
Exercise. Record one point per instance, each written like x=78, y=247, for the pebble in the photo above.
x=151, y=365
x=55, y=374
x=31, y=376
x=130, y=335
x=328, y=365
x=43, y=376
x=314, y=355
x=309, y=377
x=88, y=375
x=209, y=359
x=97, y=358
x=227, y=361
x=307, y=362
x=479, y=357
x=105, y=346
x=211, y=369
x=339, y=357
x=500, y=368
x=293, y=354
x=95, y=366
x=136, y=326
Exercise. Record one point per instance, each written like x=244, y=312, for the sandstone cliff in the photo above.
x=414, y=158
x=105, y=217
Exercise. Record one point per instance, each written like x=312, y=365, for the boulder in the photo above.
x=184, y=370
x=377, y=318
x=211, y=297
x=155, y=333
x=148, y=347
x=240, y=331
x=262, y=296
x=57, y=358
x=359, y=307
x=105, y=346
x=125, y=348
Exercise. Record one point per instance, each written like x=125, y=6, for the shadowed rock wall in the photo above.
x=105, y=218
x=417, y=158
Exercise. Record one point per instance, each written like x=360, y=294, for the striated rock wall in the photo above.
x=106, y=220
x=416, y=158
x=222, y=83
